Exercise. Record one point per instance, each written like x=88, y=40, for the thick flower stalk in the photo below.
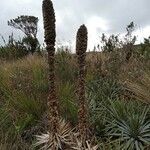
x=50, y=36
x=81, y=47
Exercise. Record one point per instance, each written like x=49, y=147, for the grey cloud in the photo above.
x=72, y=13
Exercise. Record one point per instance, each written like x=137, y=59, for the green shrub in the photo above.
x=68, y=101
x=129, y=123
x=65, y=66
x=99, y=93
x=13, y=49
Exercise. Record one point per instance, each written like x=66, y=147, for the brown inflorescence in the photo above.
x=81, y=47
x=50, y=36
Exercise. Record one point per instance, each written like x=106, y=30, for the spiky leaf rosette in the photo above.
x=58, y=141
x=79, y=144
x=81, y=47
x=87, y=146
x=50, y=36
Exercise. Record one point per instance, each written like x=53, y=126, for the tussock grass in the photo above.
x=24, y=90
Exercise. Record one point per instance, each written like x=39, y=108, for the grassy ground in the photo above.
x=118, y=94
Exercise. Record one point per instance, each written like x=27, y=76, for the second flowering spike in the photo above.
x=81, y=47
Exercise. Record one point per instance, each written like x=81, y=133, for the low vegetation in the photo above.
x=117, y=105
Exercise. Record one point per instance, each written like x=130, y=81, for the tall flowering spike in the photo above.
x=81, y=41
x=50, y=36
x=49, y=24
x=81, y=47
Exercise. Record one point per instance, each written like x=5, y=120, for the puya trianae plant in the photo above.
x=83, y=141
x=81, y=47
x=59, y=134
x=50, y=37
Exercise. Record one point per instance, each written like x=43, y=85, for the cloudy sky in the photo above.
x=100, y=16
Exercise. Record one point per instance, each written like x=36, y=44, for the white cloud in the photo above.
x=95, y=25
x=142, y=33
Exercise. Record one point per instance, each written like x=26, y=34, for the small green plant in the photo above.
x=129, y=124
x=68, y=104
